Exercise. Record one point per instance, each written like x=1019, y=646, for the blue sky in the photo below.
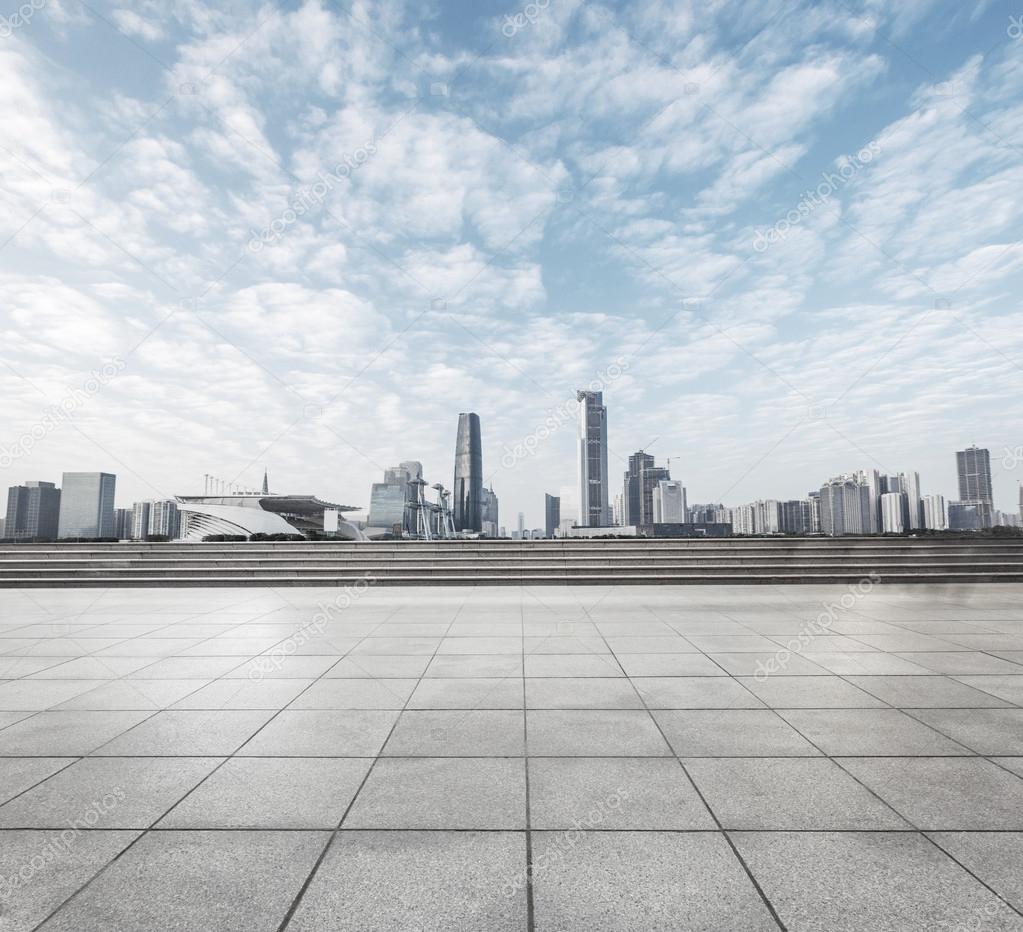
x=514, y=201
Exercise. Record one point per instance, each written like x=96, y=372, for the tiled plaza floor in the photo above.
x=676, y=758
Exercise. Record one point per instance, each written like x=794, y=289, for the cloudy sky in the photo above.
x=306, y=235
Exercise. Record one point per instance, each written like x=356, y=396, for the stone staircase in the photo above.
x=557, y=562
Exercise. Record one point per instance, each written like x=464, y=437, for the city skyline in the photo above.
x=641, y=198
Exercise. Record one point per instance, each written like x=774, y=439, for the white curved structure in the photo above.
x=203, y=515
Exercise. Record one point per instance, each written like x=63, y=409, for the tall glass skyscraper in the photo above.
x=87, y=505
x=593, y=491
x=468, y=495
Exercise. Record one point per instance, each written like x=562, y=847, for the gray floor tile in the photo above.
x=140, y=695
x=732, y=733
x=378, y=665
x=70, y=859
x=585, y=692
x=993, y=857
x=695, y=692
x=107, y=792
x=799, y=794
x=228, y=881
x=876, y=664
x=961, y=663
x=986, y=731
x=669, y=665
x=442, y=793
x=244, y=694
x=612, y=881
x=869, y=881
x=272, y=793
x=869, y=732
x=594, y=734
x=601, y=665
x=356, y=694
x=322, y=733
x=944, y=793
x=175, y=733
x=492, y=665
x=613, y=793
x=59, y=734
x=751, y=663
x=17, y=774
x=457, y=733
x=36, y=695
x=913, y=692
x=809, y=692
x=1009, y=688
x=732, y=643
x=468, y=693
x=427, y=881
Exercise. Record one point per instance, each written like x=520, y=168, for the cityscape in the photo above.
x=650, y=503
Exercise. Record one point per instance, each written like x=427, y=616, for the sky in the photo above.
x=784, y=238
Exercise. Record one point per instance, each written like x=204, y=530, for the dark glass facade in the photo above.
x=468, y=489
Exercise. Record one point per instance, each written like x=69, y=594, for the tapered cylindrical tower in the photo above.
x=468, y=490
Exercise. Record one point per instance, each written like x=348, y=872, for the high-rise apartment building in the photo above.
x=893, y=512
x=122, y=523
x=845, y=506
x=164, y=519
x=935, y=516
x=87, y=505
x=973, y=466
x=593, y=477
x=140, y=520
x=552, y=514
x=33, y=511
x=796, y=516
x=910, y=482
x=468, y=487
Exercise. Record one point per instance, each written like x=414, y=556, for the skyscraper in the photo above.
x=593, y=478
x=491, y=523
x=552, y=514
x=974, y=467
x=122, y=523
x=87, y=505
x=910, y=482
x=468, y=494
x=33, y=510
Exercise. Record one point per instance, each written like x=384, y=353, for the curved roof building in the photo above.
x=258, y=513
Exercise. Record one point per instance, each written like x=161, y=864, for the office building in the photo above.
x=489, y=507
x=935, y=517
x=669, y=502
x=593, y=476
x=618, y=511
x=552, y=514
x=388, y=500
x=468, y=487
x=33, y=511
x=140, y=520
x=893, y=513
x=86, y=505
x=122, y=523
x=969, y=516
x=164, y=519
x=767, y=517
x=638, y=493
x=522, y=526
x=872, y=479
x=845, y=506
